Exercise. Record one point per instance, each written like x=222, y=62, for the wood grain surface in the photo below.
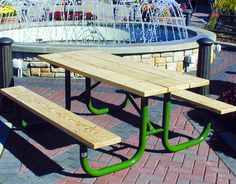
x=79, y=128
x=205, y=102
x=137, y=78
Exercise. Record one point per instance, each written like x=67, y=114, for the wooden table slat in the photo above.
x=121, y=81
x=128, y=71
x=191, y=80
x=132, y=76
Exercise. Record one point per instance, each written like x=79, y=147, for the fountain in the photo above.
x=121, y=27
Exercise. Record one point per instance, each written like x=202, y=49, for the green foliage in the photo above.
x=7, y=11
x=212, y=21
x=225, y=6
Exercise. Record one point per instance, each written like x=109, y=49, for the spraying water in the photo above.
x=93, y=22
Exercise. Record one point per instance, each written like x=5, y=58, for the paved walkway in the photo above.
x=43, y=154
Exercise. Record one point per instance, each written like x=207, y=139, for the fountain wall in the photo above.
x=169, y=55
x=171, y=60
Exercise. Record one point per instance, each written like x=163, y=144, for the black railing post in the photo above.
x=188, y=17
x=6, y=66
x=204, y=62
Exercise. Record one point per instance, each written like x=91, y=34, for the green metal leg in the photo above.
x=128, y=163
x=152, y=130
x=166, y=121
x=102, y=110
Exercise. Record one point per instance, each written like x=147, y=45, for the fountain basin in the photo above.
x=167, y=54
x=50, y=38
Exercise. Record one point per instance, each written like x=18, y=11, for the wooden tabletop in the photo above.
x=137, y=78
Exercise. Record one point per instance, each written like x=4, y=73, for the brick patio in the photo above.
x=43, y=154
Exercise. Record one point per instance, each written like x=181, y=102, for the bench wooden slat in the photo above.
x=205, y=102
x=192, y=81
x=79, y=128
x=127, y=83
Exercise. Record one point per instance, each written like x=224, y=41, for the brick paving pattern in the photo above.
x=43, y=154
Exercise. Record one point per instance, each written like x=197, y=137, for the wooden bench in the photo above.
x=226, y=24
x=79, y=128
x=204, y=102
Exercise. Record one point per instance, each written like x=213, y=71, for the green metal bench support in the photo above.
x=125, y=164
x=166, y=122
x=87, y=93
x=102, y=110
x=146, y=129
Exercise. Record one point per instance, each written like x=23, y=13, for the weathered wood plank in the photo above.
x=136, y=73
x=79, y=128
x=116, y=79
x=181, y=77
x=205, y=102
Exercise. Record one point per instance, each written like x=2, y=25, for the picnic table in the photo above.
x=136, y=80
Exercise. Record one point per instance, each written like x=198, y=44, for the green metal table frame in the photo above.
x=145, y=130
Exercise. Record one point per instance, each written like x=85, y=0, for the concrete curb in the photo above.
x=5, y=128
